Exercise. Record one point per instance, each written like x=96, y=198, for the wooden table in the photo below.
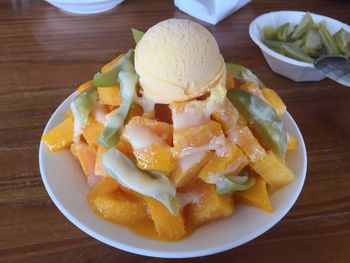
x=46, y=54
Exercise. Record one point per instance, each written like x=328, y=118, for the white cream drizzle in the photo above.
x=216, y=143
x=126, y=173
x=140, y=137
x=189, y=161
x=191, y=116
x=234, y=133
x=213, y=177
x=147, y=104
x=196, y=112
x=100, y=114
x=78, y=127
x=189, y=198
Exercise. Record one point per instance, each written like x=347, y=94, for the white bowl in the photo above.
x=67, y=187
x=285, y=66
x=85, y=6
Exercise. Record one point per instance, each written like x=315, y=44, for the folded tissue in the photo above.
x=211, y=11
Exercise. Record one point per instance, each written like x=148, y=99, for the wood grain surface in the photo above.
x=45, y=54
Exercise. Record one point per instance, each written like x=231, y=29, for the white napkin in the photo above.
x=211, y=11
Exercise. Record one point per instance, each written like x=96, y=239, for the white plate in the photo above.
x=66, y=185
x=293, y=69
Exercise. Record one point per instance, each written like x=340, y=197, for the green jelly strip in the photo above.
x=83, y=104
x=110, y=78
x=228, y=184
x=115, y=119
x=262, y=119
x=243, y=74
x=122, y=169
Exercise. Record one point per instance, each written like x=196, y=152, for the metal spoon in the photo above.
x=336, y=68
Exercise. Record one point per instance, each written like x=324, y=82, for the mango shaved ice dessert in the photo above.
x=170, y=137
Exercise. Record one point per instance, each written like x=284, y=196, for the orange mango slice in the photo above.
x=256, y=196
x=168, y=227
x=210, y=207
x=120, y=208
x=196, y=136
x=155, y=157
x=232, y=162
x=180, y=177
x=274, y=100
x=273, y=171
x=110, y=64
x=92, y=131
x=59, y=137
x=110, y=95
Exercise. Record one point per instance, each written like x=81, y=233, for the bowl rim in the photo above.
x=89, y=230
x=82, y=2
x=277, y=55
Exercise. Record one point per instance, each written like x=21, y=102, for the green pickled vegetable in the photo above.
x=312, y=43
x=243, y=74
x=274, y=44
x=83, y=104
x=282, y=32
x=327, y=39
x=307, y=41
x=229, y=184
x=269, y=33
x=342, y=39
x=289, y=49
x=262, y=118
x=137, y=35
x=115, y=119
x=296, y=53
x=122, y=169
x=305, y=24
x=110, y=78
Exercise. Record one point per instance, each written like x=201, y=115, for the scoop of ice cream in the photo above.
x=178, y=60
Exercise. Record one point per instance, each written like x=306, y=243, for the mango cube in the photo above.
x=210, y=207
x=227, y=115
x=92, y=130
x=232, y=162
x=105, y=186
x=84, y=86
x=61, y=136
x=273, y=171
x=120, y=208
x=162, y=129
x=274, y=100
x=244, y=138
x=155, y=157
x=197, y=136
x=125, y=147
x=256, y=196
x=183, y=174
x=110, y=95
x=168, y=227
x=292, y=142
x=87, y=157
x=254, y=89
x=100, y=169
